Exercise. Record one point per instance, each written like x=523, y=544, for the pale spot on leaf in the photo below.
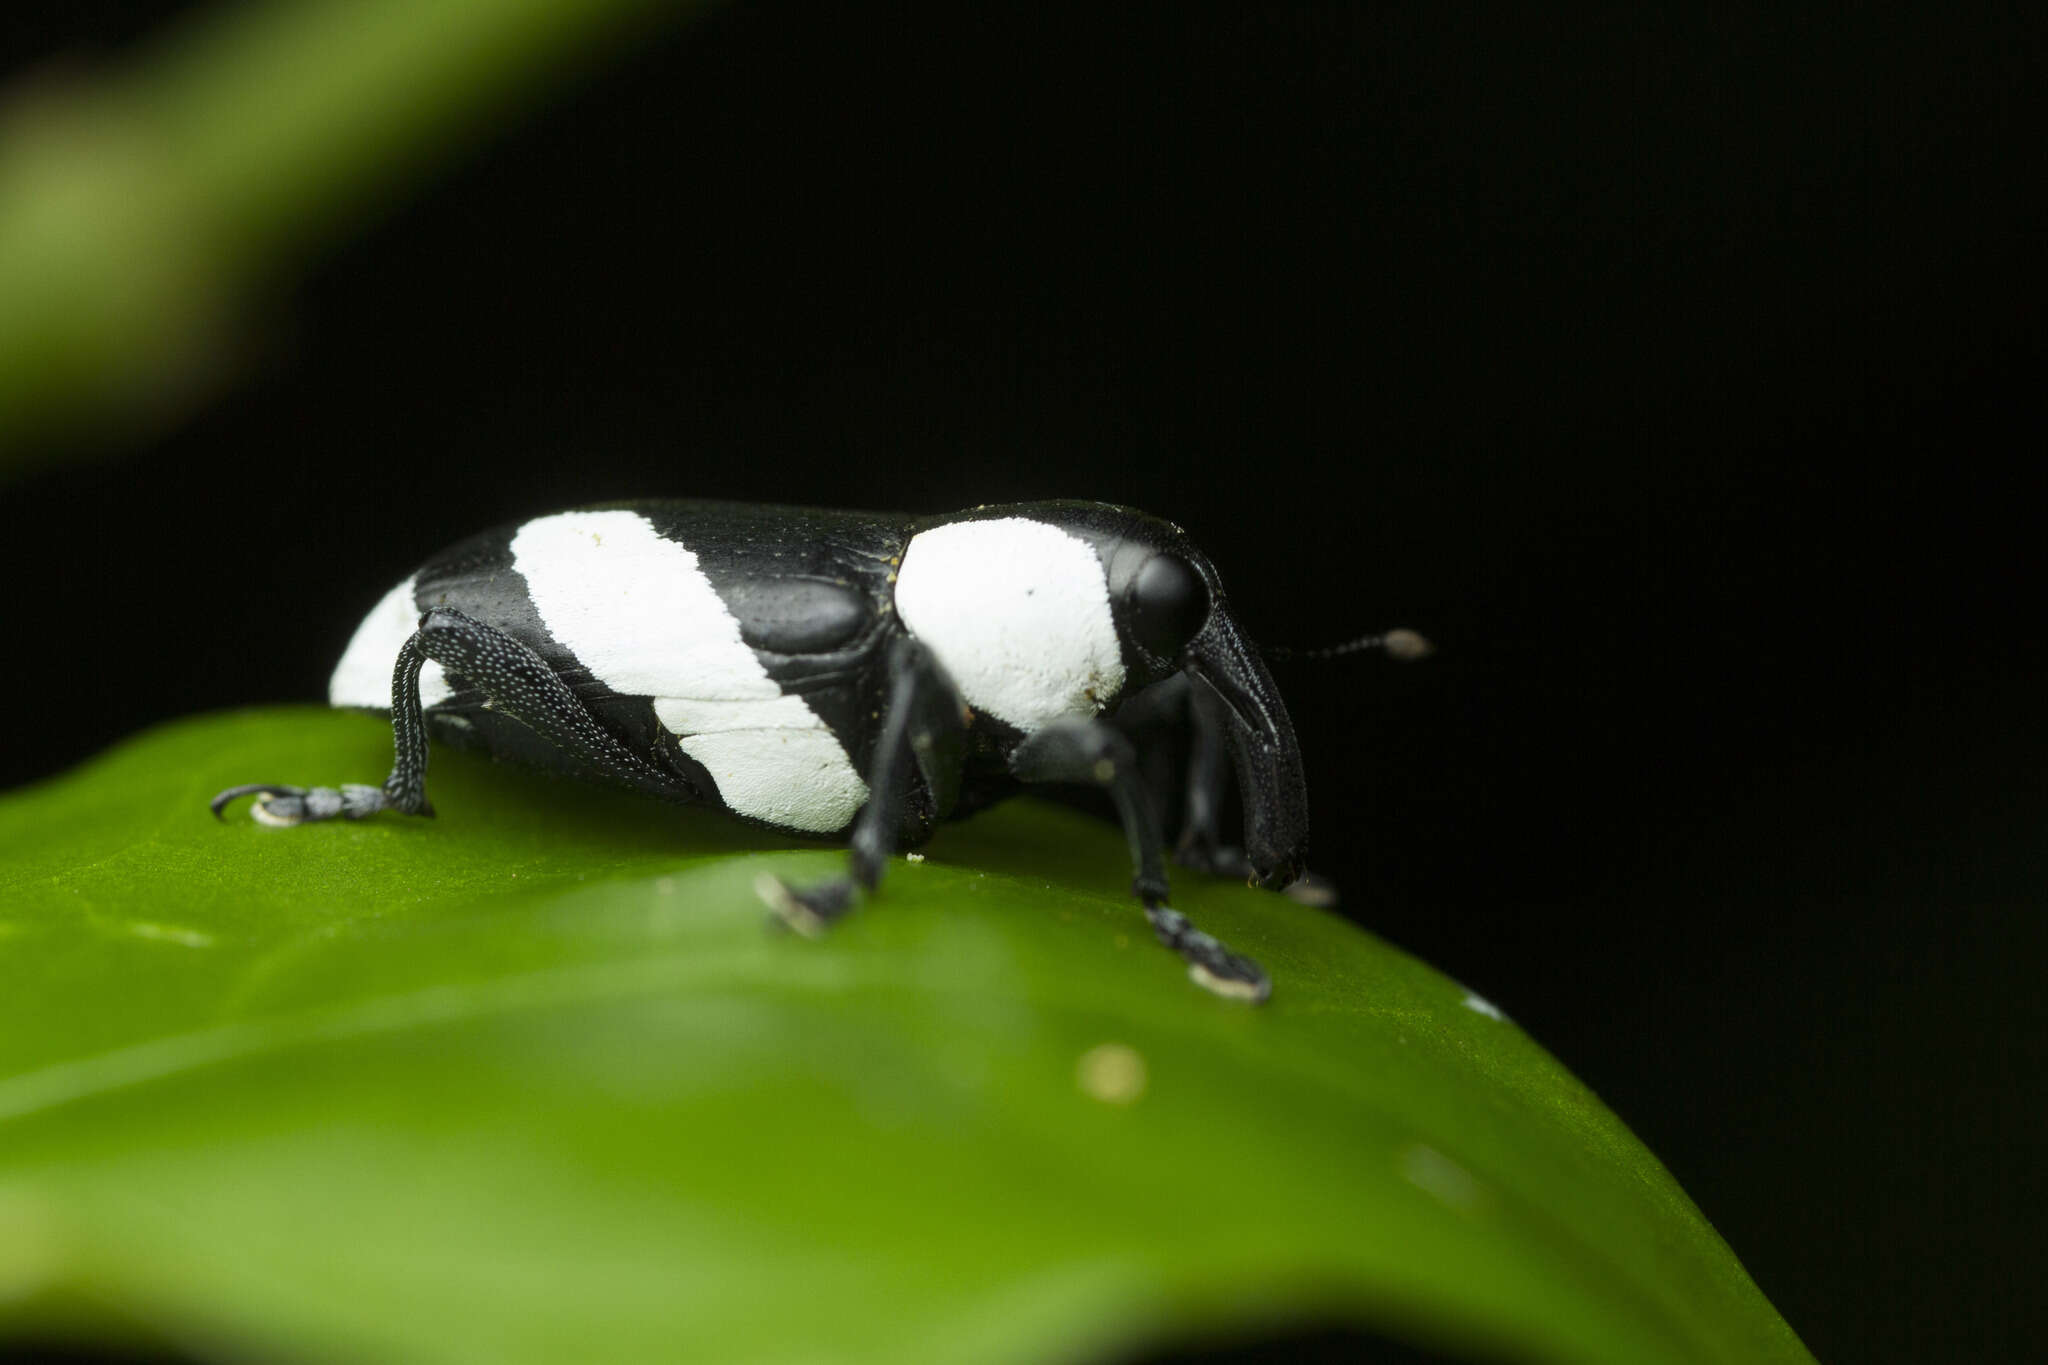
x=1113, y=1073
x=169, y=933
x=1442, y=1179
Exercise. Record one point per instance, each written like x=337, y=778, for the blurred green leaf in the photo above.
x=532, y=1081
x=140, y=208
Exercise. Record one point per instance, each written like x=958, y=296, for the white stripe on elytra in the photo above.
x=363, y=677
x=691, y=716
x=796, y=778
x=1018, y=613
x=637, y=610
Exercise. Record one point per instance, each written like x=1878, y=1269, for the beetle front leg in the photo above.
x=924, y=723
x=1088, y=751
x=1201, y=844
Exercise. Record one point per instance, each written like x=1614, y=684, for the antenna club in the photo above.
x=1406, y=646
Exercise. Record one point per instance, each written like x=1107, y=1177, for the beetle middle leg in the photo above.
x=517, y=682
x=925, y=722
x=1179, y=731
x=1089, y=751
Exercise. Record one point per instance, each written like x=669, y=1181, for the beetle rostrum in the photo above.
x=856, y=675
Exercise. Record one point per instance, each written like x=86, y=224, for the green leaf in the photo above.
x=532, y=1081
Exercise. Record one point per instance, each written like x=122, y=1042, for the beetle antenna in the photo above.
x=1400, y=645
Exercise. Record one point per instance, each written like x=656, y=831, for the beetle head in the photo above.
x=1172, y=617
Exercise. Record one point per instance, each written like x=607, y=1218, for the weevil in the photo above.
x=843, y=674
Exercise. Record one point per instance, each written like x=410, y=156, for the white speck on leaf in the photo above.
x=1479, y=1004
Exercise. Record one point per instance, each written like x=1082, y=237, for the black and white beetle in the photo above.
x=835, y=673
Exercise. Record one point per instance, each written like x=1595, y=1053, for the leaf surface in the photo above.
x=532, y=1082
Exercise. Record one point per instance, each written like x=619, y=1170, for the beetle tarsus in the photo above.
x=222, y=800
x=809, y=911
x=1210, y=964
x=281, y=806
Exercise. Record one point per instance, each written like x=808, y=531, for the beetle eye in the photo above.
x=1168, y=605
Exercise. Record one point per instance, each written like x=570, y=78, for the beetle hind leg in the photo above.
x=281, y=805
x=518, y=682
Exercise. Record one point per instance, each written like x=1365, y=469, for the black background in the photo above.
x=1677, y=369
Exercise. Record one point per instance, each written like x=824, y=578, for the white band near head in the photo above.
x=1017, y=611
